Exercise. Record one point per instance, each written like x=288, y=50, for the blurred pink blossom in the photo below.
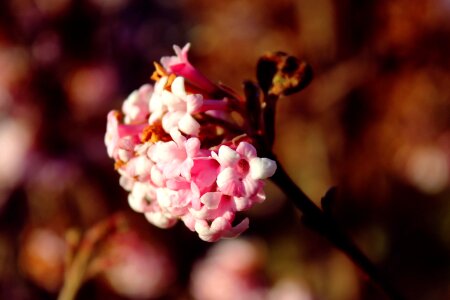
x=289, y=289
x=138, y=269
x=42, y=258
x=230, y=270
x=15, y=143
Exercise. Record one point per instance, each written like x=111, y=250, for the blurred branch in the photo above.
x=323, y=223
x=279, y=74
x=77, y=268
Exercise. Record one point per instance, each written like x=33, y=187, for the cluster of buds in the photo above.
x=186, y=150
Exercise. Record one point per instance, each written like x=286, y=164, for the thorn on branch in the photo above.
x=328, y=200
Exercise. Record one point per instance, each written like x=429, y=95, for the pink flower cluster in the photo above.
x=182, y=153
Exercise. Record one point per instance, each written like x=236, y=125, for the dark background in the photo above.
x=375, y=122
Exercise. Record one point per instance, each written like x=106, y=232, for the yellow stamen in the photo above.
x=118, y=164
x=159, y=72
x=154, y=133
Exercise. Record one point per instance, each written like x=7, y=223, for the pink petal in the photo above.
x=192, y=146
x=181, y=57
x=171, y=119
x=211, y=200
x=177, y=184
x=204, y=172
x=246, y=150
x=185, y=168
x=164, y=152
x=189, y=221
x=157, y=176
x=194, y=103
x=212, y=233
x=112, y=132
x=182, y=53
x=177, y=137
x=220, y=224
x=135, y=107
x=249, y=187
x=242, y=203
x=228, y=182
x=238, y=229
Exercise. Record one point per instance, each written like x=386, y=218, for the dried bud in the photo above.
x=280, y=74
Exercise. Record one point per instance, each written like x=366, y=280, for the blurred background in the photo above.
x=375, y=122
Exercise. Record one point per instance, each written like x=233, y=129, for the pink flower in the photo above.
x=141, y=196
x=220, y=227
x=180, y=108
x=180, y=66
x=139, y=166
x=135, y=107
x=175, y=151
x=213, y=205
x=158, y=217
x=180, y=58
x=204, y=173
x=175, y=198
x=156, y=103
x=120, y=137
x=175, y=108
x=242, y=170
x=112, y=133
x=175, y=158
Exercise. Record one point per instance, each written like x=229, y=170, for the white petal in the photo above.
x=171, y=119
x=262, y=168
x=161, y=220
x=189, y=125
x=136, y=197
x=242, y=203
x=227, y=156
x=177, y=87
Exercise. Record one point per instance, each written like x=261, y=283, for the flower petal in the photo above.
x=238, y=229
x=246, y=150
x=227, y=156
x=262, y=168
x=193, y=103
x=211, y=200
x=189, y=125
x=228, y=182
x=177, y=87
x=160, y=219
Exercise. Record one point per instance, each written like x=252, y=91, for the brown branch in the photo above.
x=322, y=222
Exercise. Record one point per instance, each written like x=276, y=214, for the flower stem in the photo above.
x=269, y=112
x=322, y=222
x=76, y=272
